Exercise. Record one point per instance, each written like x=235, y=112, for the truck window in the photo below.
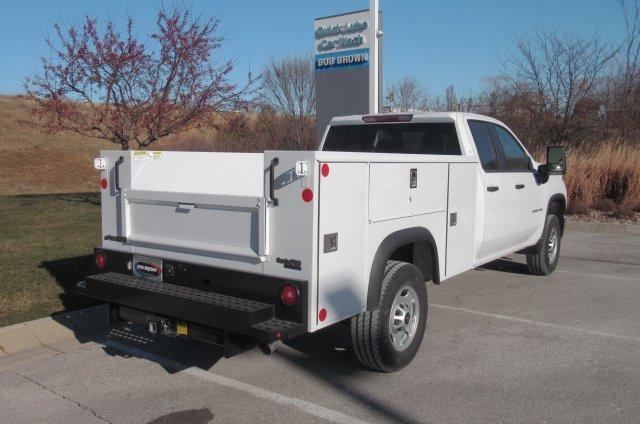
x=515, y=158
x=433, y=138
x=484, y=144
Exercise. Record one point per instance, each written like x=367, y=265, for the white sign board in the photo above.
x=342, y=41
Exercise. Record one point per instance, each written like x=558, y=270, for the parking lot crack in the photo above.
x=50, y=390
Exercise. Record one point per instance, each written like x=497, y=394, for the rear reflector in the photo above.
x=325, y=170
x=387, y=118
x=307, y=195
x=103, y=183
x=322, y=315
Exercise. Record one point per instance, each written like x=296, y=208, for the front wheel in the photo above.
x=388, y=338
x=545, y=260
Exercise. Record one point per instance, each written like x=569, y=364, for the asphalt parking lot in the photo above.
x=501, y=346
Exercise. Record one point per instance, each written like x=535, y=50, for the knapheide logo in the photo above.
x=147, y=269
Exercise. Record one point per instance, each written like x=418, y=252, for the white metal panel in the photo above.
x=431, y=193
x=342, y=278
x=389, y=191
x=237, y=174
x=462, y=202
x=435, y=223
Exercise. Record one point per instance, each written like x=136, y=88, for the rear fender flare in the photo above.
x=422, y=239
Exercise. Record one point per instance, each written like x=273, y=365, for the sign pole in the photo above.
x=374, y=67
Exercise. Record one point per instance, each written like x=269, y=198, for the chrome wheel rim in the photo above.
x=403, y=318
x=552, y=244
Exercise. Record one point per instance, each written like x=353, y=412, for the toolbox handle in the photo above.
x=117, y=172
x=272, y=167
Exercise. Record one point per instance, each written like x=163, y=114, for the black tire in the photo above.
x=542, y=261
x=370, y=332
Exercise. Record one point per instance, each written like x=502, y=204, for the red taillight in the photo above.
x=104, y=184
x=387, y=118
x=289, y=294
x=101, y=260
x=325, y=170
x=307, y=195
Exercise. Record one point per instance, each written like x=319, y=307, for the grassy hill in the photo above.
x=34, y=162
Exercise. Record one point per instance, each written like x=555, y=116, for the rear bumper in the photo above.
x=185, y=304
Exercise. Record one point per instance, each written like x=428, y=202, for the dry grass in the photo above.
x=34, y=162
x=604, y=177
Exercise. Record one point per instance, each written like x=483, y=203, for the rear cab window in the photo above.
x=484, y=144
x=423, y=138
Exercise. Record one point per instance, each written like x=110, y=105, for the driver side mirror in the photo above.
x=556, y=160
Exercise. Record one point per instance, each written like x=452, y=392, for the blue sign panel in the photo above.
x=340, y=60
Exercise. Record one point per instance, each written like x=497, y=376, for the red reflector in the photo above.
x=101, y=260
x=322, y=315
x=289, y=295
x=307, y=195
x=387, y=118
x=103, y=183
x=325, y=170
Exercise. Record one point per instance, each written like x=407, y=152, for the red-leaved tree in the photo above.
x=106, y=83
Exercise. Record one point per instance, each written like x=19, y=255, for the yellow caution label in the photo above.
x=182, y=329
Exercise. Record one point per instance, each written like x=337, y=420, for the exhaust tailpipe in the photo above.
x=269, y=348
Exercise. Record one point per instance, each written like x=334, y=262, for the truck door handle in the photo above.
x=519, y=186
x=493, y=188
x=117, y=172
x=272, y=169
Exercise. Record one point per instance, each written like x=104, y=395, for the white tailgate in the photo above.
x=209, y=204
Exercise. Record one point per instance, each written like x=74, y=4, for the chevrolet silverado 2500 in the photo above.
x=241, y=249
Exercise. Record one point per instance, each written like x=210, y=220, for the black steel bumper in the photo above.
x=213, y=310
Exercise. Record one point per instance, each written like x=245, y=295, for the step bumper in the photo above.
x=214, y=310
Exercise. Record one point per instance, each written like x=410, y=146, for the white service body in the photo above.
x=215, y=209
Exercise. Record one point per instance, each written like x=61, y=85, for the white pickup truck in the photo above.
x=241, y=249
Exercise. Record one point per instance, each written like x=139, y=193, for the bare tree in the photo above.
x=623, y=87
x=288, y=86
x=554, y=77
x=103, y=82
x=407, y=95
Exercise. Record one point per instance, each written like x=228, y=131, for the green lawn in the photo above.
x=46, y=244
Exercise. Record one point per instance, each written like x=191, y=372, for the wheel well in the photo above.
x=557, y=206
x=414, y=245
x=418, y=253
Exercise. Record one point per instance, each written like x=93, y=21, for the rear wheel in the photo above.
x=545, y=260
x=388, y=338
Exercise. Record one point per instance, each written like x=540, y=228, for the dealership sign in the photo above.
x=347, y=57
x=342, y=41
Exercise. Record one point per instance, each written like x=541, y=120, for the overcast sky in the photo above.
x=440, y=42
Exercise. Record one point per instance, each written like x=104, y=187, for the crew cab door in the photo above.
x=509, y=189
x=520, y=182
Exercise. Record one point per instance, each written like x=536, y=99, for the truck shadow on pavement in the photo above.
x=506, y=265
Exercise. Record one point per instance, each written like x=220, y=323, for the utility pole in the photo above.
x=374, y=67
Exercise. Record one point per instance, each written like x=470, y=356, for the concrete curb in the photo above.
x=602, y=227
x=52, y=331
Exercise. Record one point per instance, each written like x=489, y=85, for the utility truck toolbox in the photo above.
x=239, y=249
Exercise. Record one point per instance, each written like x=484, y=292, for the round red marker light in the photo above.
x=325, y=170
x=103, y=183
x=307, y=195
x=322, y=315
x=289, y=294
x=101, y=260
